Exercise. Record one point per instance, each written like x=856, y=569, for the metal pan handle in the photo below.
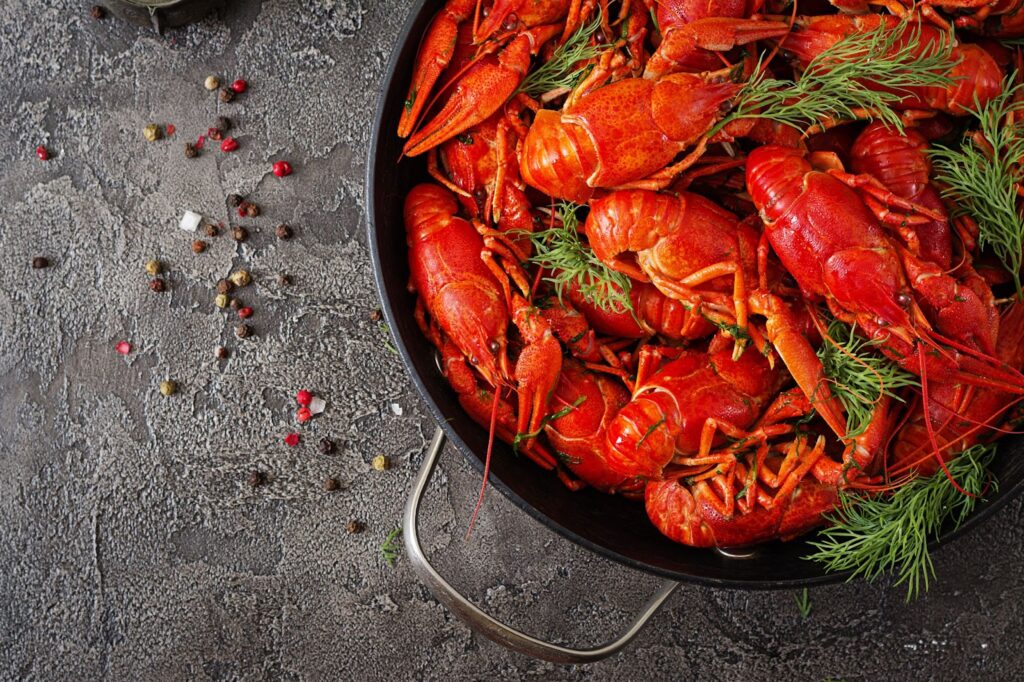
x=486, y=624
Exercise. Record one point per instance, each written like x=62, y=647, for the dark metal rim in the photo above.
x=981, y=513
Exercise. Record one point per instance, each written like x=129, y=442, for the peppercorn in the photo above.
x=331, y=484
x=229, y=144
x=292, y=439
x=235, y=200
x=376, y=315
x=226, y=95
x=224, y=286
x=222, y=300
x=190, y=151
x=239, y=234
x=40, y=262
x=240, y=278
x=43, y=153
x=284, y=280
x=168, y=387
x=221, y=352
x=152, y=132
x=245, y=312
x=283, y=231
x=247, y=209
x=355, y=527
x=97, y=12
x=215, y=135
x=211, y=83
x=153, y=267
x=242, y=331
x=239, y=86
x=157, y=285
x=211, y=230
x=381, y=463
x=303, y=415
x=326, y=446
x=256, y=478
x=281, y=168
x=223, y=124
x=198, y=246
x=236, y=304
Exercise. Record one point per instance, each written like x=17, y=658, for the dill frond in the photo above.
x=859, y=375
x=561, y=71
x=872, y=536
x=561, y=251
x=390, y=548
x=984, y=182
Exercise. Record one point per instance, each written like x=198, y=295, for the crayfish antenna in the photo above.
x=487, y=463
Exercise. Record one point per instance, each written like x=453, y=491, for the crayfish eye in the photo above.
x=494, y=346
x=511, y=21
x=473, y=361
x=903, y=300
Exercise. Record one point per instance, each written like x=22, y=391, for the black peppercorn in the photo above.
x=224, y=286
x=190, y=151
x=256, y=478
x=235, y=200
x=98, y=12
x=198, y=246
x=236, y=304
x=40, y=262
x=376, y=315
x=283, y=231
x=355, y=527
x=221, y=353
x=211, y=230
x=157, y=285
x=226, y=95
x=223, y=123
x=239, y=234
x=331, y=484
x=242, y=331
x=326, y=446
x=251, y=209
x=284, y=280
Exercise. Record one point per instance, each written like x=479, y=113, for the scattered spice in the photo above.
x=43, y=153
x=222, y=300
x=304, y=398
x=153, y=267
x=211, y=83
x=236, y=305
x=317, y=405
x=211, y=230
x=245, y=313
x=381, y=463
x=240, y=278
x=247, y=209
x=303, y=415
x=190, y=151
x=226, y=95
x=326, y=446
x=283, y=231
x=97, y=12
x=168, y=387
x=152, y=132
x=215, y=134
x=331, y=484
x=242, y=331
x=40, y=262
x=190, y=221
x=239, y=234
x=200, y=141
x=223, y=124
x=355, y=527
x=123, y=347
x=156, y=284
x=169, y=129
x=284, y=280
x=256, y=478
x=198, y=246
x=222, y=353
x=224, y=286
x=376, y=315
x=282, y=168
x=239, y=86
x=292, y=439
x=235, y=200
x=229, y=144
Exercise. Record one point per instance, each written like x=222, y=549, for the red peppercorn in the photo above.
x=200, y=142
x=239, y=86
x=229, y=144
x=304, y=398
x=169, y=129
x=282, y=168
x=123, y=347
x=43, y=153
x=291, y=440
x=303, y=415
x=245, y=312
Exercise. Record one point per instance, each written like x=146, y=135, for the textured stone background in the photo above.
x=130, y=545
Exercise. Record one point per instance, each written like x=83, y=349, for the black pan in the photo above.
x=608, y=525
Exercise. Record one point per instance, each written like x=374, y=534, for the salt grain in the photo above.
x=190, y=221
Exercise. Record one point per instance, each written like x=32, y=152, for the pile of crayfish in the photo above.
x=673, y=351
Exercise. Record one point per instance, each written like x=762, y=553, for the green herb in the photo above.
x=984, y=182
x=859, y=375
x=867, y=72
x=649, y=431
x=803, y=603
x=872, y=536
x=569, y=259
x=391, y=547
x=560, y=71
x=520, y=437
x=383, y=326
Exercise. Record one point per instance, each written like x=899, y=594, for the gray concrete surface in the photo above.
x=131, y=546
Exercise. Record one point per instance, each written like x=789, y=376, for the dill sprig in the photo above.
x=876, y=535
x=803, y=603
x=561, y=251
x=561, y=72
x=858, y=374
x=390, y=548
x=848, y=78
x=984, y=182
